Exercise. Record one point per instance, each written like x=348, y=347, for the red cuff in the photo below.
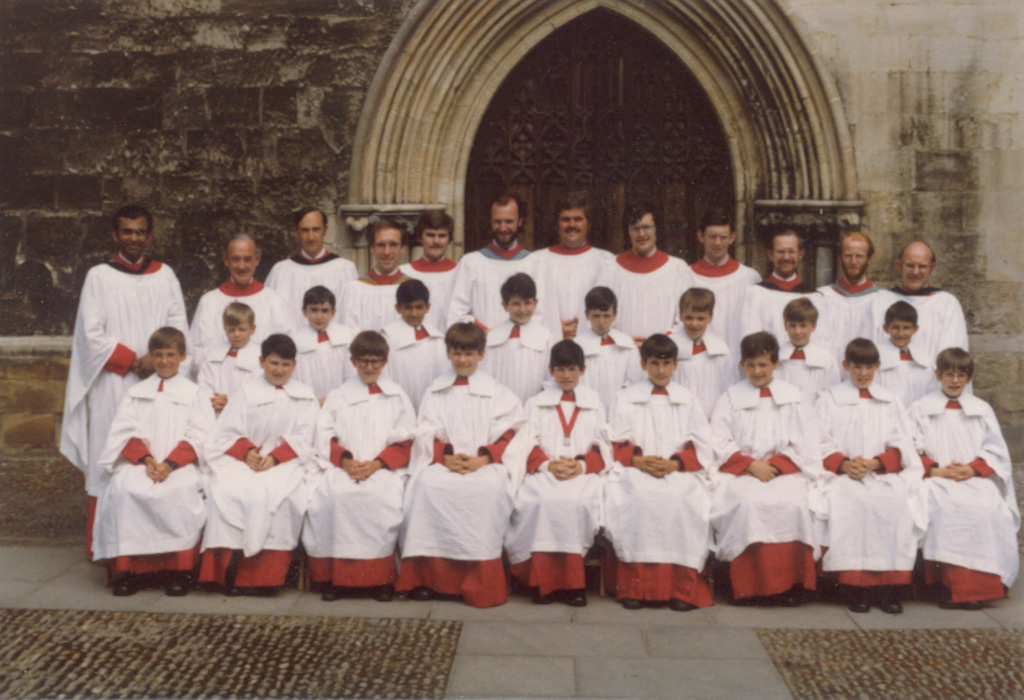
x=593, y=461
x=537, y=457
x=120, y=361
x=736, y=464
x=928, y=463
x=182, y=454
x=240, y=448
x=834, y=461
x=337, y=452
x=135, y=451
x=623, y=452
x=784, y=464
x=498, y=448
x=688, y=456
x=283, y=453
x=981, y=466
x=397, y=455
x=890, y=460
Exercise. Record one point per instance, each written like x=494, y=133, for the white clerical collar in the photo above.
x=242, y=284
x=784, y=279
x=711, y=262
x=126, y=261
x=322, y=252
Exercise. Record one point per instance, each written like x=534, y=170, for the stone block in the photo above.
x=234, y=106
x=316, y=34
x=21, y=431
x=21, y=70
x=231, y=69
x=304, y=149
x=67, y=70
x=219, y=35
x=924, y=131
x=184, y=191
x=44, y=151
x=340, y=115
x=17, y=111
x=136, y=69
x=11, y=229
x=94, y=152
x=160, y=36
x=996, y=370
x=945, y=171
x=996, y=308
x=185, y=109
x=54, y=108
x=353, y=67
x=266, y=37
x=28, y=192
x=120, y=108
x=280, y=107
x=52, y=238
x=218, y=151
x=36, y=398
x=78, y=192
x=1014, y=435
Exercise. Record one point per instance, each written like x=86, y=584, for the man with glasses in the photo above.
x=368, y=303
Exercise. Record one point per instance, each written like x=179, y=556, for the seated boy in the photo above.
x=417, y=347
x=705, y=367
x=971, y=545
x=656, y=496
x=558, y=503
x=517, y=348
x=322, y=344
x=902, y=372
x=458, y=500
x=804, y=363
x=768, y=453
x=363, y=439
x=876, y=510
x=230, y=365
x=258, y=453
x=613, y=360
x=150, y=516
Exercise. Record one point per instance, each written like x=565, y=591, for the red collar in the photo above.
x=853, y=289
x=766, y=393
x=798, y=355
x=634, y=263
x=560, y=249
x=659, y=391
x=607, y=340
x=698, y=347
x=421, y=333
x=569, y=396
x=782, y=284
x=506, y=254
x=321, y=337
x=954, y=404
x=905, y=355
x=374, y=389
x=232, y=353
x=705, y=269
x=233, y=290
x=424, y=265
x=383, y=279
x=515, y=331
x=865, y=394
x=461, y=381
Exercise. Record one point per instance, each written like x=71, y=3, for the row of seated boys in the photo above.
x=771, y=484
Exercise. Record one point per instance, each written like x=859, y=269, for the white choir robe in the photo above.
x=851, y=315
x=762, y=311
x=972, y=523
x=610, y=367
x=415, y=364
x=568, y=275
x=815, y=373
x=207, y=330
x=876, y=523
x=476, y=292
x=647, y=290
x=729, y=282
x=323, y=366
x=706, y=374
x=909, y=379
x=136, y=516
x=260, y=511
x=521, y=364
x=940, y=320
x=439, y=278
x=117, y=313
x=368, y=306
x=551, y=515
x=744, y=509
x=292, y=278
x=223, y=374
x=650, y=520
x=349, y=519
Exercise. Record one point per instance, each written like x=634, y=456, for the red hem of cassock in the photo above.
x=866, y=579
x=662, y=582
x=551, y=571
x=481, y=584
x=90, y=520
x=185, y=560
x=765, y=569
x=267, y=569
x=353, y=573
x=964, y=584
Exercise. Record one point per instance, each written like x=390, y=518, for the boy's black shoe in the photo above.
x=969, y=605
x=330, y=594
x=631, y=603
x=127, y=586
x=546, y=599
x=421, y=593
x=576, y=598
x=179, y=584
x=384, y=593
x=889, y=600
x=859, y=599
x=681, y=605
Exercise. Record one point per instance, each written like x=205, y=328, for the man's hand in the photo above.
x=257, y=463
x=858, y=467
x=638, y=340
x=360, y=470
x=143, y=366
x=569, y=328
x=762, y=470
x=219, y=401
x=565, y=468
x=266, y=463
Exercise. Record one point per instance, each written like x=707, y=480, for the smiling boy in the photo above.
x=418, y=354
x=322, y=345
x=803, y=362
x=613, y=360
x=517, y=348
x=705, y=365
x=905, y=369
x=228, y=366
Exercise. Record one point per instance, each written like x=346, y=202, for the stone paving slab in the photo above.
x=715, y=643
x=551, y=639
x=685, y=679
x=484, y=676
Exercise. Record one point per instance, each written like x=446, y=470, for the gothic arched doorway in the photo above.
x=600, y=105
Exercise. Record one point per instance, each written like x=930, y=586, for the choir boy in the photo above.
x=558, y=503
x=458, y=500
x=876, y=509
x=258, y=452
x=517, y=348
x=322, y=343
x=363, y=440
x=705, y=366
x=613, y=360
x=656, y=497
x=971, y=544
x=417, y=347
x=768, y=454
x=905, y=369
x=150, y=516
x=231, y=364
x=805, y=363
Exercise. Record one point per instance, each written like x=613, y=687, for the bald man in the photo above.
x=851, y=298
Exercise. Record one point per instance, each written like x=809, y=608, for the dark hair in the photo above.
x=301, y=214
x=901, y=311
x=319, y=295
x=575, y=200
x=433, y=218
x=369, y=344
x=800, y=310
x=506, y=198
x=757, y=344
x=278, y=344
x=955, y=359
x=166, y=337
x=861, y=351
x=660, y=346
x=242, y=237
x=385, y=225
x=636, y=211
x=412, y=290
x=132, y=211
x=519, y=284
x=566, y=353
x=769, y=242
x=698, y=299
x=601, y=299
x=716, y=216
x=465, y=336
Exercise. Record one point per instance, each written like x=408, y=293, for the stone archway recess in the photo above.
x=787, y=132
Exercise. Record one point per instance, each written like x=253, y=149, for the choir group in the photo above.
x=428, y=428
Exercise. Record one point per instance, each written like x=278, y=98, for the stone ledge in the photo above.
x=35, y=346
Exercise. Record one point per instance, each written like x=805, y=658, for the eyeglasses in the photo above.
x=370, y=362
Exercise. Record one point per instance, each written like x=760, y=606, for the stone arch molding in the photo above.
x=787, y=132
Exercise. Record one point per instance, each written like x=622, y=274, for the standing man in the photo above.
x=310, y=267
x=647, y=282
x=569, y=269
x=434, y=232
x=368, y=303
x=723, y=275
x=851, y=298
x=123, y=301
x=241, y=257
x=476, y=294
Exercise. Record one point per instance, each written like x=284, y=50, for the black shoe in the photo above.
x=383, y=594
x=576, y=598
x=126, y=586
x=859, y=599
x=233, y=591
x=889, y=601
x=546, y=599
x=631, y=603
x=330, y=594
x=681, y=605
x=950, y=605
x=790, y=599
x=178, y=587
x=421, y=593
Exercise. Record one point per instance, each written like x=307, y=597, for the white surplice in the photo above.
x=223, y=374
x=909, y=379
x=368, y=306
x=815, y=373
x=323, y=366
x=706, y=374
x=762, y=311
x=567, y=277
x=850, y=315
x=292, y=278
x=520, y=363
x=648, y=302
x=940, y=321
x=415, y=364
x=729, y=282
x=439, y=283
x=610, y=367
